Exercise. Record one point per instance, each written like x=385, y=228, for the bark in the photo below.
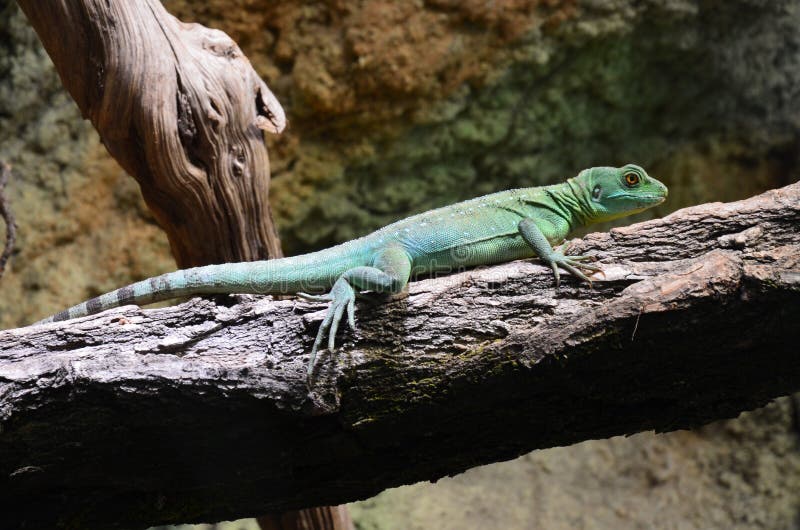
x=200, y=412
x=181, y=109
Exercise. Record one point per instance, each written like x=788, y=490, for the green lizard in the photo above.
x=499, y=227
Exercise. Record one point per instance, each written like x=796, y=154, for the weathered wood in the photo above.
x=181, y=109
x=200, y=412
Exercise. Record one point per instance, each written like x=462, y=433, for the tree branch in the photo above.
x=200, y=412
x=181, y=109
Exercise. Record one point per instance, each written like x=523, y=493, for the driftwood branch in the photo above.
x=181, y=109
x=200, y=412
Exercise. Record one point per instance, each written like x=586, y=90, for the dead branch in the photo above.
x=181, y=109
x=200, y=412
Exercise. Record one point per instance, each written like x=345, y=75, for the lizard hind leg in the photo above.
x=389, y=272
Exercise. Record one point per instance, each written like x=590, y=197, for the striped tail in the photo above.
x=313, y=272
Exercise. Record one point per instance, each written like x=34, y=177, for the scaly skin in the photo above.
x=494, y=228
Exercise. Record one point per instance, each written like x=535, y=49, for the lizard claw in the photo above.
x=315, y=297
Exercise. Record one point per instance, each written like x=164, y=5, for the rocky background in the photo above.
x=400, y=106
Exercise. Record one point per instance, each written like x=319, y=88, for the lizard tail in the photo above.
x=312, y=272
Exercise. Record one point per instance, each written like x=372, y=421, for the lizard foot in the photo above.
x=342, y=296
x=575, y=265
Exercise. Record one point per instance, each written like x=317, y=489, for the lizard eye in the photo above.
x=631, y=179
x=596, y=192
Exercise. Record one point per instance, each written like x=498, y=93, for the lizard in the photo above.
x=499, y=227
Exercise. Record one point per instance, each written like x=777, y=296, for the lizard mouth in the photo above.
x=654, y=199
x=649, y=199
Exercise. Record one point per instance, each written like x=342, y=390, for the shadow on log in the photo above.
x=200, y=412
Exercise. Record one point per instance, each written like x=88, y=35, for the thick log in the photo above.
x=200, y=412
x=181, y=109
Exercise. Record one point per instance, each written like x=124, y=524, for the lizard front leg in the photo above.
x=389, y=273
x=535, y=236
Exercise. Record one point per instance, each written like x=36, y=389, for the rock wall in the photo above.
x=403, y=106
x=397, y=107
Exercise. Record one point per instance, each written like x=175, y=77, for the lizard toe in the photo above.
x=314, y=297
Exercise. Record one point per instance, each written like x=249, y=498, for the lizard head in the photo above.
x=613, y=192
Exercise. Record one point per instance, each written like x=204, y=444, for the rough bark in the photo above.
x=200, y=412
x=181, y=109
